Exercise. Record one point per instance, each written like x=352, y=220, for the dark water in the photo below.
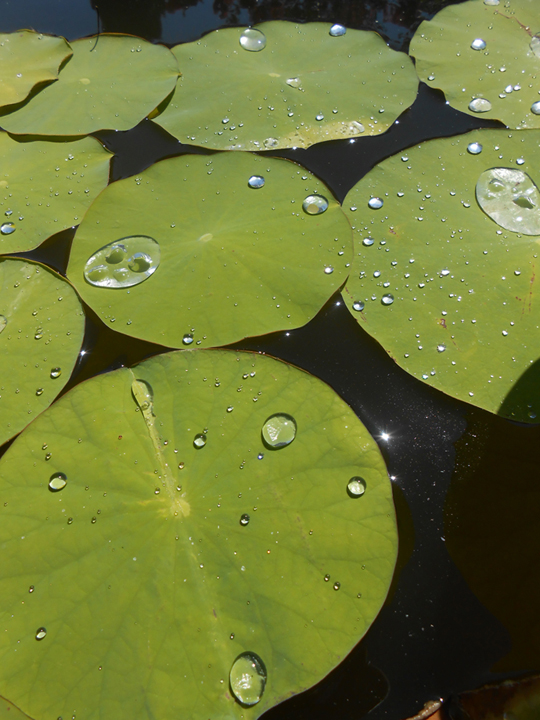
x=462, y=609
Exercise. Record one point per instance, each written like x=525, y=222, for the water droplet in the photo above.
x=535, y=44
x=520, y=161
x=368, y=241
x=40, y=633
x=336, y=585
x=200, y=440
x=375, y=203
x=294, y=82
x=69, y=520
x=256, y=182
x=248, y=678
x=441, y=347
x=253, y=40
x=56, y=372
x=535, y=108
x=475, y=148
x=31, y=589
x=279, y=430
x=7, y=228
x=57, y=482
x=478, y=44
x=358, y=305
x=479, y=105
x=142, y=394
x=337, y=30
x=187, y=339
x=491, y=2
x=328, y=270
x=356, y=487
x=123, y=263
x=326, y=578
x=387, y=299
x=271, y=142
x=319, y=117
x=315, y=204
x=511, y=199
x=244, y=520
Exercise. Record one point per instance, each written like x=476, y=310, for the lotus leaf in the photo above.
x=448, y=291
x=8, y=711
x=164, y=539
x=111, y=81
x=300, y=87
x=485, y=56
x=28, y=58
x=41, y=331
x=46, y=187
x=228, y=246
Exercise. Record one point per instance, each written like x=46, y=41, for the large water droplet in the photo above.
x=40, y=633
x=3, y=322
x=375, y=203
x=248, y=678
x=142, y=394
x=368, y=241
x=478, y=44
x=475, y=148
x=535, y=108
x=387, y=299
x=244, y=520
x=56, y=372
x=256, y=182
x=356, y=487
x=271, y=142
x=199, y=440
x=187, y=339
x=511, y=199
x=57, y=482
x=123, y=263
x=358, y=305
x=535, y=44
x=479, y=105
x=253, y=40
x=441, y=348
x=315, y=204
x=337, y=30
x=279, y=430
x=7, y=228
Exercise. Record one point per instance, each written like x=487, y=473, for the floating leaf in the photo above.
x=485, y=57
x=46, y=187
x=28, y=58
x=444, y=283
x=302, y=85
x=41, y=331
x=190, y=251
x=8, y=711
x=148, y=585
x=111, y=81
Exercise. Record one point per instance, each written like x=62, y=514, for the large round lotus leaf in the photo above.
x=46, y=187
x=111, y=81
x=158, y=563
x=449, y=292
x=485, y=56
x=304, y=86
x=41, y=331
x=232, y=260
x=28, y=58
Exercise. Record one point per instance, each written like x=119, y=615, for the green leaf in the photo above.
x=28, y=58
x=8, y=711
x=41, y=331
x=232, y=260
x=304, y=86
x=464, y=315
x=111, y=81
x=46, y=187
x=485, y=57
x=145, y=584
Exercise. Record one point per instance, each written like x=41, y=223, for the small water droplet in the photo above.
x=356, y=487
x=230, y=408
x=93, y=521
x=279, y=430
x=256, y=182
x=123, y=263
x=535, y=108
x=142, y=394
x=200, y=440
x=511, y=199
x=358, y=305
x=336, y=585
x=57, y=482
x=328, y=270
x=491, y=2
x=69, y=521
x=7, y=228
x=294, y=82
x=375, y=203
x=478, y=44
x=248, y=678
x=56, y=372
x=31, y=589
x=319, y=117
x=315, y=204
x=41, y=633
x=520, y=161
x=337, y=30
x=441, y=347
x=187, y=339
x=271, y=142
x=326, y=578
x=479, y=105
x=244, y=520
x=253, y=40
x=474, y=148
x=368, y=241
x=387, y=299
x=535, y=44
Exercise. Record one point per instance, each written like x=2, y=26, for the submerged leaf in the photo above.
x=485, y=57
x=194, y=250
x=449, y=247
x=111, y=81
x=41, y=331
x=299, y=86
x=164, y=568
x=28, y=58
x=46, y=187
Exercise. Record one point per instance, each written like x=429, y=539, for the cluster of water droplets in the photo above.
x=123, y=263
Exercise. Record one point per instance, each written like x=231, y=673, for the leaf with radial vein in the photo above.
x=294, y=85
x=188, y=252
x=28, y=58
x=485, y=57
x=41, y=331
x=448, y=287
x=46, y=187
x=111, y=81
x=175, y=539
